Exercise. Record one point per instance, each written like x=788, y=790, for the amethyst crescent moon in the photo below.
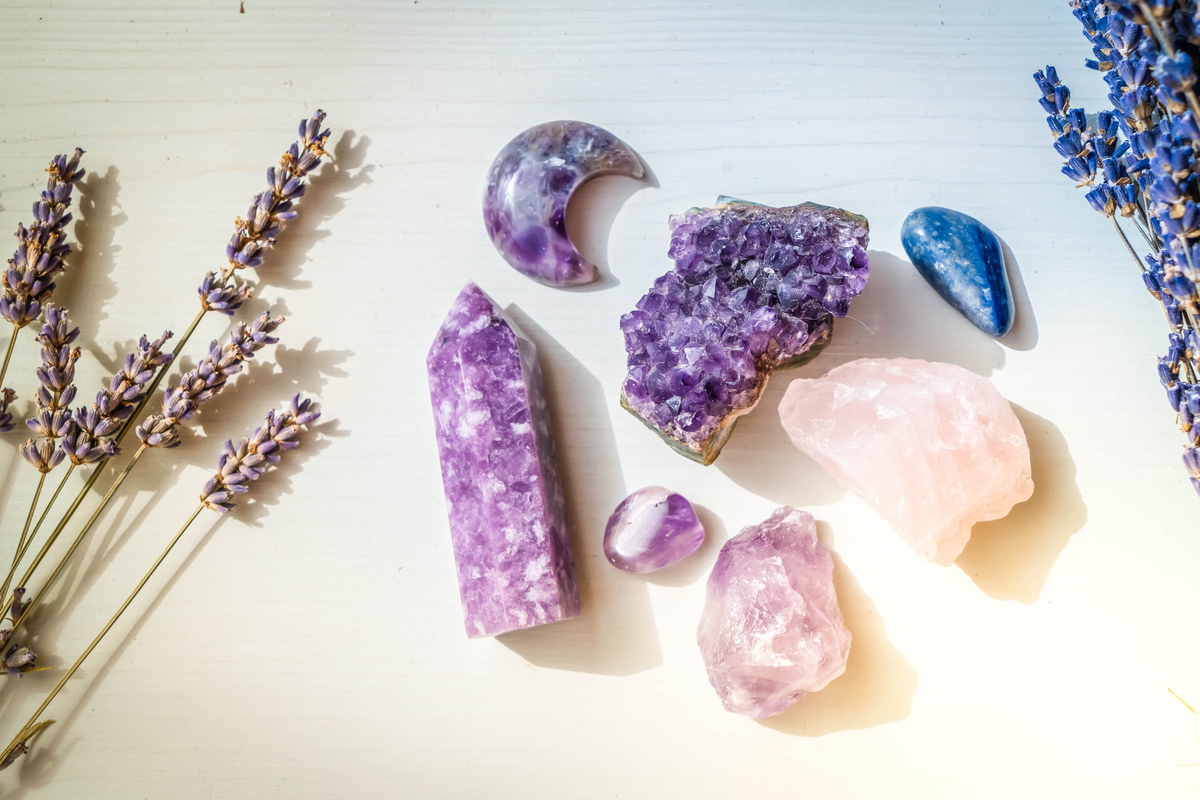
x=528, y=186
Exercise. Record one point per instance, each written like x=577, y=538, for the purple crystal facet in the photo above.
x=507, y=519
x=753, y=288
x=528, y=186
x=651, y=529
x=771, y=630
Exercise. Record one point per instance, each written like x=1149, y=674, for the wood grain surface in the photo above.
x=310, y=644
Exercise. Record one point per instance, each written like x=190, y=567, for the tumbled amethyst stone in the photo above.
x=528, y=186
x=651, y=529
x=503, y=495
x=753, y=288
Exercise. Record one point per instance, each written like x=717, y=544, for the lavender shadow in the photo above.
x=1010, y=558
x=615, y=634
x=878, y=685
x=590, y=215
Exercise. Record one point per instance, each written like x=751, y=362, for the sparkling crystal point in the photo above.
x=499, y=471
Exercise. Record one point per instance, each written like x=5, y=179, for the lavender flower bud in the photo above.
x=208, y=378
x=42, y=247
x=18, y=660
x=246, y=462
x=217, y=297
x=42, y=454
x=7, y=396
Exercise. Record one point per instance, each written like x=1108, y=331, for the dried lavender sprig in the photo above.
x=272, y=209
x=301, y=158
x=42, y=247
x=52, y=417
x=95, y=428
x=208, y=378
x=279, y=430
x=254, y=455
x=7, y=396
x=160, y=430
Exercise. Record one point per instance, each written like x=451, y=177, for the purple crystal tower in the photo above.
x=528, y=186
x=507, y=521
x=753, y=288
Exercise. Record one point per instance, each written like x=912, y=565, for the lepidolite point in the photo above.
x=933, y=447
x=651, y=529
x=499, y=471
x=771, y=630
x=754, y=288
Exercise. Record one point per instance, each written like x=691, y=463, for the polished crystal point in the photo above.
x=771, y=630
x=753, y=288
x=651, y=529
x=507, y=521
x=964, y=262
x=528, y=186
x=933, y=447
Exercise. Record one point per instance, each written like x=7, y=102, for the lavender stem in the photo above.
x=21, y=544
x=29, y=729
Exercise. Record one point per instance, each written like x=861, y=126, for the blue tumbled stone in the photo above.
x=963, y=261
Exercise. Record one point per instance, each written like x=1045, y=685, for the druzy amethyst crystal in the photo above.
x=753, y=288
x=499, y=471
x=528, y=186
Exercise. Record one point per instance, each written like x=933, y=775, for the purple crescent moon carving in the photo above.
x=528, y=186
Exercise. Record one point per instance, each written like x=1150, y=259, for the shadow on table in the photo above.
x=1010, y=558
x=590, y=216
x=615, y=634
x=878, y=685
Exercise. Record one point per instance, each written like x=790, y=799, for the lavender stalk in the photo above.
x=269, y=213
x=161, y=430
x=41, y=250
x=237, y=468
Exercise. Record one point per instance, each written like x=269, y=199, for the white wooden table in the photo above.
x=311, y=644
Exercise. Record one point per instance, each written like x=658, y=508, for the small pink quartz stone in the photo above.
x=771, y=630
x=934, y=448
x=651, y=529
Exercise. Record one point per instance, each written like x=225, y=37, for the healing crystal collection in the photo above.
x=753, y=288
x=933, y=447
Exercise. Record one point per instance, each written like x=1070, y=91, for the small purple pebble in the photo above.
x=651, y=529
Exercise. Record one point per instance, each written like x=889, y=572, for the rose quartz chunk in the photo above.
x=933, y=447
x=771, y=630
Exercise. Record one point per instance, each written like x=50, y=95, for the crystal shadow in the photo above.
x=590, y=215
x=615, y=635
x=879, y=683
x=1010, y=558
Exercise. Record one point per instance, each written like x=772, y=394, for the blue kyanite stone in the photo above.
x=962, y=259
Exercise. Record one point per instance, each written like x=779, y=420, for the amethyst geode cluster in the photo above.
x=753, y=288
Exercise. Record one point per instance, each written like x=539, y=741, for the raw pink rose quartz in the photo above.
x=771, y=630
x=932, y=447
